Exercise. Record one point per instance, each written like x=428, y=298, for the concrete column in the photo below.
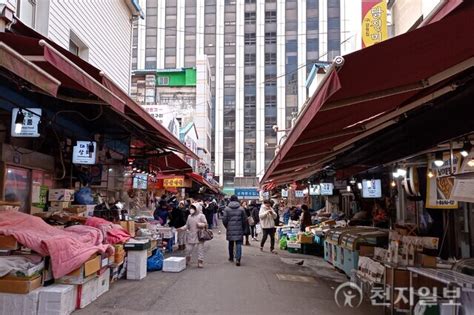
x=301, y=53
x=219, y=123
x=239, y=88
x=180, y=24
x=323, y=30
x=260, y=95
x=281, y=62
x=200, y=28
x=160, y=45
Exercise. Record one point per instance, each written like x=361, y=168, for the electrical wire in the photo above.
x=79, y=113
x=61, y=157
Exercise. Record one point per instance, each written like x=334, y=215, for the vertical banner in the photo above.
x=440, y=186
x=374, y=22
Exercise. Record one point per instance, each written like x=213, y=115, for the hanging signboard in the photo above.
x=374, y=22
x=247, y=193
x=85, y=152
x=29, y=128
x=314, y=190
x=299, y=194
x=371, y=188
x=463, y=190
x=440, y=187
x=284, y=193
x=140, y=181
x=173, y=182
x=327, y=189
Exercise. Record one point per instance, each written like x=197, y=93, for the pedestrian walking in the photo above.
x=255, y=219
x=234, y=221
x=196, y=221
x=247, y=224
x=209, y=212
x=267, y=221
x=215, y=209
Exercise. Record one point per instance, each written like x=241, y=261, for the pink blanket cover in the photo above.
x=68, y=248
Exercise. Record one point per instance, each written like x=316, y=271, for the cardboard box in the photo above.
x=32, y=272
x=103, y=283
x=129, y=226
x=57, y=299
x=77, y=209
x=87, y=292
x=367, y=251
x=59, y=205
x=137, y=245
x=25, y=304
x=61, y=195
x=425, y=261
x=174, y=264
x=83, y=274
x=305, y=239
x=10, y=284
x=8, y=243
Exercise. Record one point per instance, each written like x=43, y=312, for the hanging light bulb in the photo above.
x=466, y=148
x=430, y=174
x=439, y=159
x=20, y=118
x=471, y=163
x=393, y=183
x=352, y=181
x=348, y=188
x=401, y=172
x=359, y=185
x=134, y=169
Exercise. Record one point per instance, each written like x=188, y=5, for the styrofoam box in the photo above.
x=136, y=264
x=174, y=264
x=104, y=283
x=87, y=292
x=24, y=304
x=57, y=299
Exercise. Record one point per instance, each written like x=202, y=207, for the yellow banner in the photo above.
x=173, y=182
x=374, y=23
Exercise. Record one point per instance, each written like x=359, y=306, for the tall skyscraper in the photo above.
x=259, y=51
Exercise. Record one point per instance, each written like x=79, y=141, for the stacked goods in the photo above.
x=408, y=250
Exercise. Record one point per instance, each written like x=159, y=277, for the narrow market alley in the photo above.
x=223, y=288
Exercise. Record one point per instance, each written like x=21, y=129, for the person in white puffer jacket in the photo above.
x=267, y=221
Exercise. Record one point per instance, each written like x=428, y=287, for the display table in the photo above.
x=450, y=279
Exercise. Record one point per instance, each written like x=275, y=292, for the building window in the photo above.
x=270, y=17
x=250, y=39
x=250, y=79
x=270, y=79
x=270, y=100
x=163, y=80
x=249, y=1
x=250, y=59
x=250, y=17
x=270, y=58
x=270, y=38
x=26, y=11
x=77, y=46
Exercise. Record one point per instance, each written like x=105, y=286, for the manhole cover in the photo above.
x=286, y=277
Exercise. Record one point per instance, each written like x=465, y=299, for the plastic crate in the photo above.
x=174, y=264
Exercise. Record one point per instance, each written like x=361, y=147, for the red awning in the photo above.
x=74, y=73
x=28, y=71
x=200, y=180
x=444, y=8
x=170, y=164
x=371, y=90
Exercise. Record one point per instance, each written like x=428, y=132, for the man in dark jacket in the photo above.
x=234, y=221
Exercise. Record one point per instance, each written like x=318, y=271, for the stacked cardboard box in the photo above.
x=136, y=264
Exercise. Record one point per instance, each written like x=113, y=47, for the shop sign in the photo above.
x=284, y=193
x=173, y=182
x=440, y=187
x=463, y=190
x=140, y=181
x=82, y=153
x=247, y=193
x=372, y=188
x=327, y=189
x=374, y=22
x=29, y=129
x=314, y=190
x=266, y=195
x=299, y=194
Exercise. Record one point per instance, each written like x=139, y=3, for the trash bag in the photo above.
x=155, y=262
x=283, y=242
x=84, y=196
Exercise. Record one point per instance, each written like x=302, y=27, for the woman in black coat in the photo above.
x=247, y=225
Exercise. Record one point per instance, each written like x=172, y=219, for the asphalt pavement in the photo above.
x=265, y=283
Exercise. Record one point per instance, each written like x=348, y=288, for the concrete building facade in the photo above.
x=260, y=53
x=98, y=31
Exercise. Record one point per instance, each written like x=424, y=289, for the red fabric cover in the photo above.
x=68, y=248
x=113, y=233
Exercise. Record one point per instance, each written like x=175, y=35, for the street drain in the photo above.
x=295, y=278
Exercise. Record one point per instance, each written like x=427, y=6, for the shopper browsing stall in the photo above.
x=267, y=221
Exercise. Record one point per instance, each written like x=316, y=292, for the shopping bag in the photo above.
x=258, y=229
x=283, y=242
x=205, y=235
x=251, y=220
